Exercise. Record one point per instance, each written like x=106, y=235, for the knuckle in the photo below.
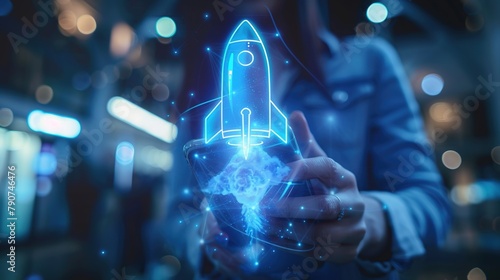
x=328, y=205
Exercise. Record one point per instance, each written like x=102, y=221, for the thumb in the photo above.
x=307, y=144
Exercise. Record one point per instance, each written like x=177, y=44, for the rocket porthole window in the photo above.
x=245, y=58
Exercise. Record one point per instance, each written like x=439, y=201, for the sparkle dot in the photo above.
x=256, y=263
x=290, y=224
x=103, y=252
x=202, y=241
x=300, y=244
x=301, y=207
x=186, y=191
x=277, y=34
x=208, y=208
x=192, y=94
x=208, y=49
x=286, y=61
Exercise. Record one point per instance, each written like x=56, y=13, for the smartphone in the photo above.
x=209, y=160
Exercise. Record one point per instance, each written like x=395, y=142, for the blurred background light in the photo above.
x=377, y=12
x=125, y=153
x=122, y=37
x=441, y=112
x=67, y=21
x=6, y=117
x=44, y=94
x=17, y=139
x=157, y=158
x=495, y=154
x=124, y=166
x=43, y=186
x=46, y=163
x=432, y=84
x=160, y=92
x=141, y=119
x=451, y=159
x=165, y=27
x=86, y=24
x=5, y=7
x=53, y=124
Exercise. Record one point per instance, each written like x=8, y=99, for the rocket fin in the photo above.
x=213, y=123
x=279, y=123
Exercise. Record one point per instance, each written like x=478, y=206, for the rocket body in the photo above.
x=245, y=114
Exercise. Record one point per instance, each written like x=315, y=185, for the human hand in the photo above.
x=334, y=216
x=233, y=263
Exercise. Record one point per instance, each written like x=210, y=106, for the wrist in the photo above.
x=376, y=243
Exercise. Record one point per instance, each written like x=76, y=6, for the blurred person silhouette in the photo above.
x=358, y=127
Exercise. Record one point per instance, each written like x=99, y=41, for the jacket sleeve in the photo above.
x=403, y=174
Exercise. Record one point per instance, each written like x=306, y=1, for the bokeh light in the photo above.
x=43, y=186
x=122, y=37
x=6, y=117
x=432, y=84
x=46, y=163
x=125, y=153
x=86, y=24
x=451, y=159
x=5, y=7
x=440, y=112
x=476, y=274
x=44, y=94
x=495, y=154
x=377, y=12
x=160, y=92
x=67, y=21
x=165, y=27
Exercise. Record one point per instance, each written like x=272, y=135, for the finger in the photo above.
x=307, y=144
x=223, y=258
x=315, y=207
x=328, y=171
x=318, y=233
x=336, y=253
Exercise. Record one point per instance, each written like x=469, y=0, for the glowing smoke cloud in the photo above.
x=248, y=180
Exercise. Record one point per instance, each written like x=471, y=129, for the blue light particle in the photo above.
x=301, y=207
x=208, y=49
x=432, y=84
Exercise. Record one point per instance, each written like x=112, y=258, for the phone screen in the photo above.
x=235, y=204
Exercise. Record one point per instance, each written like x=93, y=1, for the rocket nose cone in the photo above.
x=245, y=32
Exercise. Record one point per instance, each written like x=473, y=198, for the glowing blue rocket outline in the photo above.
x=221, y=104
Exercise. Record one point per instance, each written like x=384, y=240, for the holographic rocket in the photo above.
x=245, y=114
